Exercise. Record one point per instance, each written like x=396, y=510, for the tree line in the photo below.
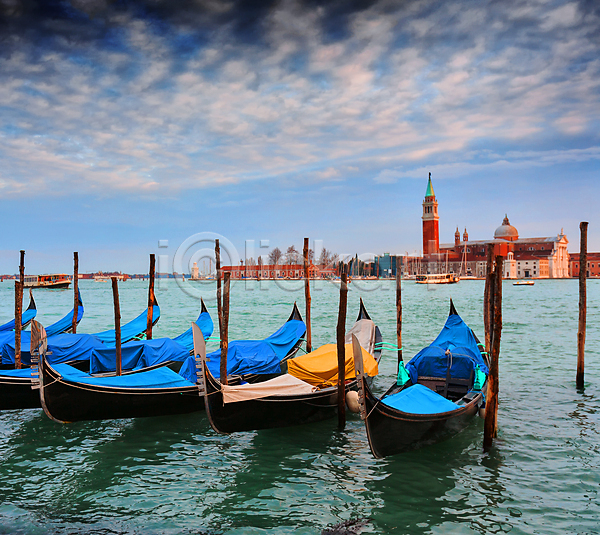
x=293, y=256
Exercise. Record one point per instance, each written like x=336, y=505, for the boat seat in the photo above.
x=453, y=389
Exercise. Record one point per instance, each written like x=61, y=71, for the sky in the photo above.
x=126, y=122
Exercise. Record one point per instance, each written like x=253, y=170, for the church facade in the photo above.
x=524, y=258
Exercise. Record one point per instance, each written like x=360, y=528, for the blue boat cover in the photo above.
x=251, y=356
x=61, y=348
x=145, y=353
x=24, y=373
x=205, y=323
x=59, y=327
x=138, y=355
x=26, y=317
x=418, y=399
x=432, y=361
x=157, y=378
x=132, y=329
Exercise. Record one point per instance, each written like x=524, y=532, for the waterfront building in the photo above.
x=195, y=271
x=544, y=257
x=278, y=271
x=593, y=265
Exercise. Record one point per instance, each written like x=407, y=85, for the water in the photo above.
x=175, y=475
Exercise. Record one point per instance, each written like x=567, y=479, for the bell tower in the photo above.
x=431, y=229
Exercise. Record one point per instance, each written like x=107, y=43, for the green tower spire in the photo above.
x=429, y=192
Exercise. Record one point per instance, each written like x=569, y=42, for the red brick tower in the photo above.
x=431, y=229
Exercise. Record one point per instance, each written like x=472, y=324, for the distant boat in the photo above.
x=56, y=281
x=437, y=278
x=107, y=278
x=523, y=283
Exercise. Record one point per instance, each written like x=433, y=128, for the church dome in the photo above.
x=506, y=231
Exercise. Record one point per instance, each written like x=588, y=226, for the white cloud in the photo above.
x=388, y=93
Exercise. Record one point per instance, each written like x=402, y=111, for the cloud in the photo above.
x=147, y=96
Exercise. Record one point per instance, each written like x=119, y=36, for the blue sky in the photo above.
x=122, y=123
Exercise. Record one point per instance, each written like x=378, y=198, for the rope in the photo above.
x=380, y=345
x=50, y=384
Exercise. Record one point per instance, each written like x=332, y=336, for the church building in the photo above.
x=524, y=258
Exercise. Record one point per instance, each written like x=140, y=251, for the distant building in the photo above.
x=545, y=257
x=195, y=271
x=431, y=229
x=278, y=271
x=593, y=265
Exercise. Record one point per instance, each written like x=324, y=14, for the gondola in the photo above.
x=69, y=395
x=26, y=317
x=441, y=391
x=76, y=347
x=303, y=395
x=63, y=325
x=84, y=353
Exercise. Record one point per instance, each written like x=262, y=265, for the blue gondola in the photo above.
x=26, y=317
x=85, y=351
x=436, y=395
x=69, y=395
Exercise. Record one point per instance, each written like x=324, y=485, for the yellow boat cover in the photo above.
x=320, y=367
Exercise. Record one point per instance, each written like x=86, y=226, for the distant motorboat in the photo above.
x=107, y=278
x=55, y=280
x=437, y=278
x=523, y=283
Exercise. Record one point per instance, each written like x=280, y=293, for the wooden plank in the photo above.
x=399, y=307
x=75, y=291
x=19, y=309
x=579, y=381
x=200, y=358
x=307, y=297
x=224, y=333
x=359, y=367
x=487, y=296
x=150, y=317
x=490, y=428
x=115, y=290
x=341, y=352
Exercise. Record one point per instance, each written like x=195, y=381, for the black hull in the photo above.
x=16, y=393
x=390, y=431
x=275, y=411
x=64, y=401
x=267, y=413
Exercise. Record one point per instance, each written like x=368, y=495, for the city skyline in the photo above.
x=133, y=122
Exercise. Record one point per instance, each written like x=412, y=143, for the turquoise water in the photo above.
x=175, y=475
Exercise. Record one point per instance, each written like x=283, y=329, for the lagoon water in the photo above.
x=175, y=475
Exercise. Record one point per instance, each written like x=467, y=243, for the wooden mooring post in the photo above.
x=115, y=290
x=75, y=291
x=487, y=298
x=225, y=323
x=19, y=309
x=490, y=428
x=399, y=308
x=150, y=317
x=341, y=352
x=307, y=296
x=583, y=227
x=223, y=366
